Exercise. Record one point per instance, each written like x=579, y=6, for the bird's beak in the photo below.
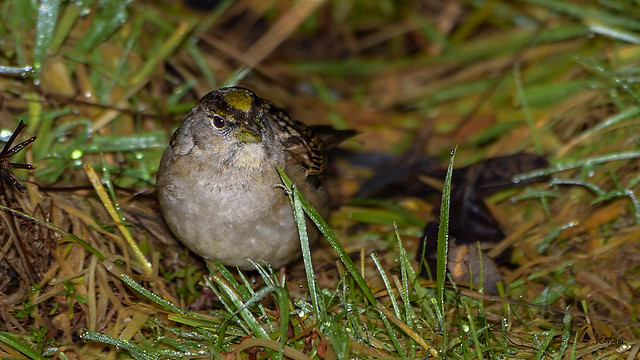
x=250, y=132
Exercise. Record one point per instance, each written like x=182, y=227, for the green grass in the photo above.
x=88, y=270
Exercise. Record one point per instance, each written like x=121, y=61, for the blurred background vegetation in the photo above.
x=103, y=84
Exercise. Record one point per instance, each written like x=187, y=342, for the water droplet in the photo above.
x=139, y=155
x=84, y=11
x=29, y=70
x=622, y=348
x=5, y=135
x=465, y=328
x=76, y=154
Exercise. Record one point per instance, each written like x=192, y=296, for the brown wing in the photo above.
x=299, y=141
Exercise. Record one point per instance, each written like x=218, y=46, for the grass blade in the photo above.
x=301, y=222
x=443, y=235
x=111, y=209
x=136, y=352
x=110, y=16
x=47, y=17
x=19, y=345
x=387, y=285
x=331, y=238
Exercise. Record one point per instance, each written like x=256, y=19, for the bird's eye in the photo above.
x=218, y=122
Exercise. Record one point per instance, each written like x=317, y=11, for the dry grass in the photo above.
x=88, y=269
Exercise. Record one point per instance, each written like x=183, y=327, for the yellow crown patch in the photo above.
x=241, y=100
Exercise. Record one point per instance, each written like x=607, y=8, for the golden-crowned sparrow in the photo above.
x=218, y=185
